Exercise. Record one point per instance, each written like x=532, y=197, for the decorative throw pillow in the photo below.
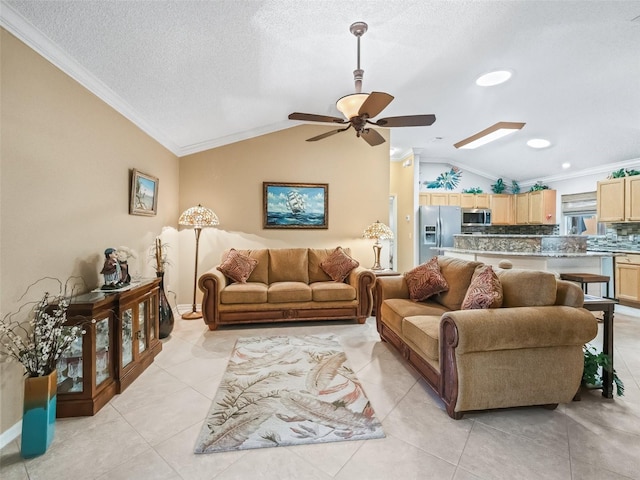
x=425, y=280
x=338, y=265
x=237, y=266
x=485, y=290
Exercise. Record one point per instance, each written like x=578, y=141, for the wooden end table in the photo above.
x=606, y=306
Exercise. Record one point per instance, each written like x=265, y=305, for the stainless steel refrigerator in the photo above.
x=438, y=225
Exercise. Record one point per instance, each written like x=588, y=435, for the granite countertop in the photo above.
x=614, y=250
x=528, y=254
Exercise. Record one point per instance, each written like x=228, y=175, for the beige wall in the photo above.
x=229, y=180
x=65, y=160
x=402, y=185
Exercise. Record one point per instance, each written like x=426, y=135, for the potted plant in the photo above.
x=37, y=343
x=594, y=364
x=499, y=186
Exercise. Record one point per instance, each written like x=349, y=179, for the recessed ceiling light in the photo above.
x=538, y=143
x=566, y=165
x=493, y=78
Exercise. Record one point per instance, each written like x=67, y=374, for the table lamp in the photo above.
x=378, y=231
x=197, y=217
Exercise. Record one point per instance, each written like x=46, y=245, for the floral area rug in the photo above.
x=287, y=390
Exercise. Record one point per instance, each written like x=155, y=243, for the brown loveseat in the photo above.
x=287, y=284
x=528, y=352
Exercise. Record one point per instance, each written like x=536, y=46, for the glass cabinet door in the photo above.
x=70, y=368
x=152, y=318
x=127, y=337
x=103, y=337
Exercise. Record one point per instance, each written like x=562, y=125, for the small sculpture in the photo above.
x=111, y=270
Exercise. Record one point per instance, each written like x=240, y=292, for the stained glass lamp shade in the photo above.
x=378, y=231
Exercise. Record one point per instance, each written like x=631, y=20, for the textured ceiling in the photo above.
x=199, y=74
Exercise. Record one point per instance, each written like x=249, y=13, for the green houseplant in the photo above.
x=499, y=186
x=594, y=364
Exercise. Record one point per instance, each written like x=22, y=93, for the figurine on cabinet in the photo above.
x=111, y=270
x=123, y=254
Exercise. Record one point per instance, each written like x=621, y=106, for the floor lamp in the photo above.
x=197, y=217
x=377, y=230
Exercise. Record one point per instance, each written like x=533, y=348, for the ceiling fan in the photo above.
x=358, y=108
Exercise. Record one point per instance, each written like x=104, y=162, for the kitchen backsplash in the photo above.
x=622, y=236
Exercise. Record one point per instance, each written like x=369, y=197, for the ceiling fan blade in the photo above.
x=311, y=117
x=327, y=134
x=375, y=103
x=406, y=121
x=372, y=137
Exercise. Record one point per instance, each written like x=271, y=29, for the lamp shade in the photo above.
x=378, y=230
x=198, y=217
x=349, y=105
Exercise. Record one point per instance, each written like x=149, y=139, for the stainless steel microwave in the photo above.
x=476, y=216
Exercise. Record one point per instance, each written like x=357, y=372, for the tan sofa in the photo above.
x=286, y=285
x=528, y=352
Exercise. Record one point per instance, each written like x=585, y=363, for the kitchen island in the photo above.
x=553, y=253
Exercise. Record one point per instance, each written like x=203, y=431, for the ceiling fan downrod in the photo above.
x=358, y=29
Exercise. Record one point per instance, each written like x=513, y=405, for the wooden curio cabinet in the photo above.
x=120, y=342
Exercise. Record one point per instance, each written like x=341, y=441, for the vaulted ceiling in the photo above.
x=200, y=74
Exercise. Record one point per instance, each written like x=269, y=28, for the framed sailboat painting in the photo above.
x=295, y=205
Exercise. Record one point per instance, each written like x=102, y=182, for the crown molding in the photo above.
x=22, y=29
x=233, y=138
x=608, y=168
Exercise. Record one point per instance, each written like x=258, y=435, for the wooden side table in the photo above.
x=606, y=306
x=381, y=273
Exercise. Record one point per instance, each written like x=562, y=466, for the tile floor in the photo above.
x=148, y=432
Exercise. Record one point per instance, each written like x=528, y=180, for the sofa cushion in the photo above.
x=527, y=288
x=425, y=280
x=250, y=292
x=393, y=310
x=423, y=331
x=261, y=271
x=237, y=266
x=338, y=265
x=458, y=274
x=485, y=290
x=288, y=265
x=332, y=292
x=284, y=292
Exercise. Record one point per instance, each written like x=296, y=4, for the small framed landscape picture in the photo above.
x=295, y=205
x=144, y=194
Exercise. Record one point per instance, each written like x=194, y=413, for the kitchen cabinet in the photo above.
x=120, y=342
x=439, y=198
x=536, y=208
x=542, y=207
x=619, y=200
x=627, y=279
x=502, y=206
x=474, y=200
x=522, y=208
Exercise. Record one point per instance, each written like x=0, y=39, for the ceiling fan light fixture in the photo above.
x=490, y=134
x=493, y=78
x=349, y=105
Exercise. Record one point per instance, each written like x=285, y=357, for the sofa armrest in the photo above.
x=363, y=280
x=520, y=327
x=211, y=283
x=536, y=351
x=568, y=293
